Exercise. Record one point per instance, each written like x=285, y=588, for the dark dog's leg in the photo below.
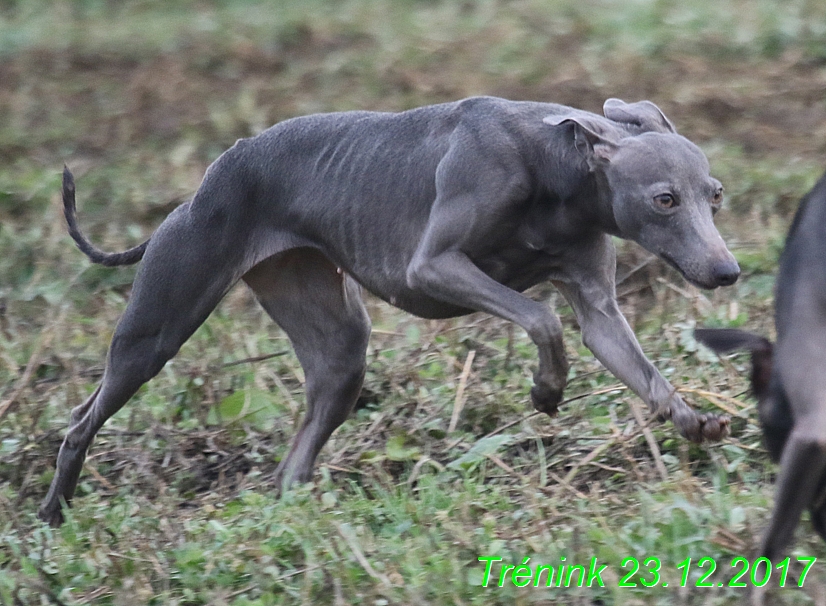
x=818, y=508
x=322, y=312
x=175, y=290
x=801, y=468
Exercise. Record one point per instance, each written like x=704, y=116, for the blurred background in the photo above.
x=138, y=97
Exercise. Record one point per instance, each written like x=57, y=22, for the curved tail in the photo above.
x=127, y=257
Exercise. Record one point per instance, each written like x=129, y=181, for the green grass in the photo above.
x=647, y=27
x=175, y=504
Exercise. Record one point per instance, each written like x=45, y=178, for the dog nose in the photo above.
x=726, y=273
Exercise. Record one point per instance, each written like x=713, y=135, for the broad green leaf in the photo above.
x=398, y=450
x=257, y=408
x=480, y=450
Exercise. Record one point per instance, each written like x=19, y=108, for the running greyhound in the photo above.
x=441, y=211
x=789, y=378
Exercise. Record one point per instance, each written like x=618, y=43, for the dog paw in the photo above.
x=715, y=427
x=287, y=476
x=546, y=399
x=53, y=516
x=702, y=427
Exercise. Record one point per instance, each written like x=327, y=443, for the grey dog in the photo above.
x=441, y=211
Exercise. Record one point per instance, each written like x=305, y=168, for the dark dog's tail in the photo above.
x=127, y=257
x=724, y=340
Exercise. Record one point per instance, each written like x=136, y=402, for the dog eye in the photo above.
x=717, y=199
x=665, y=201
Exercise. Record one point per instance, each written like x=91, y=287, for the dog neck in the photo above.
x=603, y=205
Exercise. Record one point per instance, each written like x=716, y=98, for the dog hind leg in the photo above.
x=322, y=313
x=174, y=291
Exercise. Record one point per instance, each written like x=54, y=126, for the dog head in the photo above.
x=657, y=188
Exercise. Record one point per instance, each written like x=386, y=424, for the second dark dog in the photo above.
x=789, y=377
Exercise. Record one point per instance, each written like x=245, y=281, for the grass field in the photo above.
x=175, y=504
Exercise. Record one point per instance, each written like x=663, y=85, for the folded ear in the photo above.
x=642, y=114
x=588, y=138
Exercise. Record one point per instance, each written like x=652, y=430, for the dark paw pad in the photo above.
x=546, y=399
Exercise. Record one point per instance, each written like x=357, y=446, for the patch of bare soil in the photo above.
x=772, y=106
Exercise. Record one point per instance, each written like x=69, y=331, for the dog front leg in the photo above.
x=607, y=334
x=453, y=278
